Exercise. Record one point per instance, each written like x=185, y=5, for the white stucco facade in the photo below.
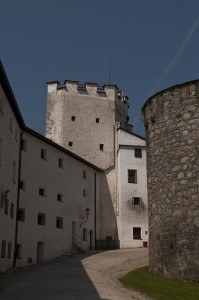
x=132, y=212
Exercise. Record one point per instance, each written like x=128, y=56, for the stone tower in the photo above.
x=172, y=125
x=82, y=118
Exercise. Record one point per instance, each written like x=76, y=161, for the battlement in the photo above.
x=88, y=88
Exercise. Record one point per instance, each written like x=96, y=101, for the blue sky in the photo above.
x=153, y=45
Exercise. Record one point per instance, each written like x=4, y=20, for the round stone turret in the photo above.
x=172, y=129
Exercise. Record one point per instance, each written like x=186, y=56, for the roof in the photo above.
x=132, y=133
x=180, y=85
x=13, y=103
x=10, y=95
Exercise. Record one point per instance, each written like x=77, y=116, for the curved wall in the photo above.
x=172, y=125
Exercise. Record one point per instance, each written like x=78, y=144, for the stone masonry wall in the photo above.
x=172, y=125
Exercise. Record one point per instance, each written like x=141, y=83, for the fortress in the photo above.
x=81, y=187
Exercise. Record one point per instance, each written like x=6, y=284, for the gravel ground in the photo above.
x=104, y=270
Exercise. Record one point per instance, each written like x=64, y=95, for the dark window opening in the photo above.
x=6, y=206
x=59, y=222
x=12, y=210
x=43, y=154
x=24, y=145
x=132, y=176
x=41, y=220
x=97, y=120
x=42, y=192
x=59, y=197
x=138, y=153
x=3, y=249
x=101, y=146
x=22, y=185
x=73, y=118
x=85, y=235
x=21, y=214
x=136, y=200
x=70, y=144
x=61, y=163
x=18, y=251
x=136, y=233
x=84, y=174
x=84, y=193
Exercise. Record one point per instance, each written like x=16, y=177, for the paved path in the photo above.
x=91, y=276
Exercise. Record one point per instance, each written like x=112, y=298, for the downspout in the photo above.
x=18, y=195
x=95, y=204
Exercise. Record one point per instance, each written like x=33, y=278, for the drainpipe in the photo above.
x=18, y=195
x=95, y=220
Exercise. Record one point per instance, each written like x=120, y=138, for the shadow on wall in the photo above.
x=61, y=278
x=107, y=232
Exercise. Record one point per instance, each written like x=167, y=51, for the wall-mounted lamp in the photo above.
x=87, y=211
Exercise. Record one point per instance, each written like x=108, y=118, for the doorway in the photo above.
x=40, y=252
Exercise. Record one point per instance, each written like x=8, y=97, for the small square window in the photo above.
x=59, y=197
x=84, y=174
x=61, y=163
x=132, y=176
x=101, y=146
x=22, y=185
x=73, y=118
x=84, y=193
x=136, y=233
x=59, y=222
x=24, y=145
x=136, y=200
x=85, y=235
x=70, y=144
x=41, y=219
x=21, y=214
x=43, y=154
x=97, y=120
x=9, y=250
x=12, y=210
x=138, y=153
x=3, y=249
x=42, y=192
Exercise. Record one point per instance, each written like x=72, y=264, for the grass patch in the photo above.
x=160, y=288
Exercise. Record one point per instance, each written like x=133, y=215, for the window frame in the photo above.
x=132, y=178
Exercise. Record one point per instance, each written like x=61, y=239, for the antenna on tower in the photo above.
x=109, y=70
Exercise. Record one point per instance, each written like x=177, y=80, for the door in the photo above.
x=40, y=252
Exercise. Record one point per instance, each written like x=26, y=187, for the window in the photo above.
x=12, y=210
x=97, y=120
x=59, y=222
x=9, y=250
x=43, y=154
x=84, y=174
x=3, y=249
x=42, y=192
x=59, y=197
x=136, y=233
x=24, y=144
x=101, y=146
x=6, y=205
x=84, y=234
x=136, y=201
x=41, y=220
x=70, y=144
x=21, y=214
x=61, y=163
x=22, y=185
x=18, y=251
x=84, y=193
x=14, y=172
x=132, y=176
x=138, y=153
x=73, y=118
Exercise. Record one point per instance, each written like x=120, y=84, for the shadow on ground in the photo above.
x=63, y=278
